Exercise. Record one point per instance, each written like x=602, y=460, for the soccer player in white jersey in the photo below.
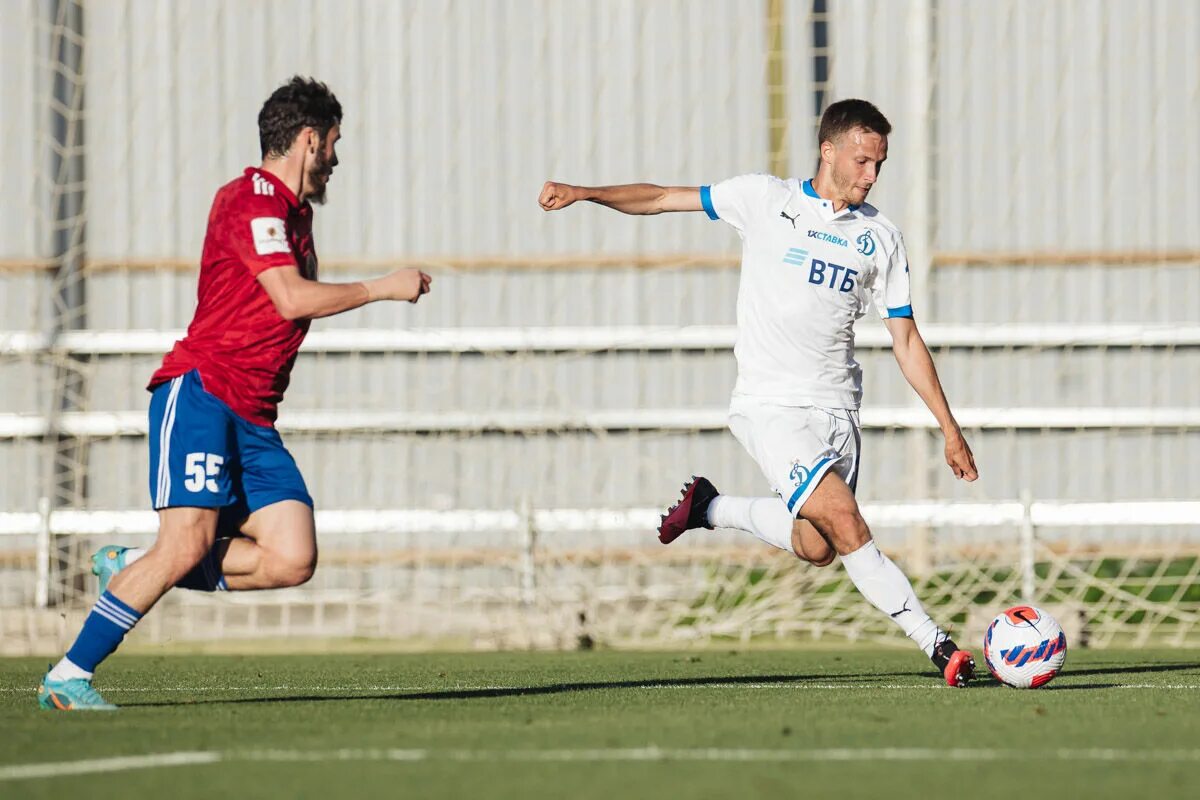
x=814, y=255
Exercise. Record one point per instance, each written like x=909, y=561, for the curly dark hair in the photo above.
x=845, y=115
x=300, y=103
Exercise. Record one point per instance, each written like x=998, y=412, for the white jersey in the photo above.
x=807, y=275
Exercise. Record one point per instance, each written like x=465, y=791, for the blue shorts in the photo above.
x=203, y=455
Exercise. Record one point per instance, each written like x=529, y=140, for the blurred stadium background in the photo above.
x=488, y=465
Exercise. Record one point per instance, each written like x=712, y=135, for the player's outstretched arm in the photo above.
x=297, y=297
x=917, y=365
x=629, y=198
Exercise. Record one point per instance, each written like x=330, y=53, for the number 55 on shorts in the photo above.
x=202, y=471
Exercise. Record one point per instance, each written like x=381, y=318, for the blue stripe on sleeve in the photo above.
x=902, y=311
x=706, y=201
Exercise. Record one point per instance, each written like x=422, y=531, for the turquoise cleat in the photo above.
x=75, y=694
x=106, y=562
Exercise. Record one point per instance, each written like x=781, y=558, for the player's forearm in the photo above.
x=313, y=299
x=630, y=198
x=916, y=364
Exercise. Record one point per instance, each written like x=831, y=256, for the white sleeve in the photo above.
x=735, y=200
x=891, y=291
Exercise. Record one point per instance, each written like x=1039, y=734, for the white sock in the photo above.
x=133, y=554
x=765, y=517
x=885, y=587
x=65, y=670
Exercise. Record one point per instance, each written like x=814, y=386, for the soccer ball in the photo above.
x=1024, y=647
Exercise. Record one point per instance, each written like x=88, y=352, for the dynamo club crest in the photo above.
x=866, y=243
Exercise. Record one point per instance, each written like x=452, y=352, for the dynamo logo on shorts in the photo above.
x=798, y=474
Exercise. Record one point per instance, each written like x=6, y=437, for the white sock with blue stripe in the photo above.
x=765, y=517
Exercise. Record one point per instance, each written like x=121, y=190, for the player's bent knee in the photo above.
x=301, y=574
x=810, y=545
x=817, y=553
x=293, y=570
x=822, y=559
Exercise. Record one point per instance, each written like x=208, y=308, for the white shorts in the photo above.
x=796, y=446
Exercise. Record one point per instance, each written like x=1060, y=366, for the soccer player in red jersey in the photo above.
x=234, y=512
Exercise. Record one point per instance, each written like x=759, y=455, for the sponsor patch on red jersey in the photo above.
x=270, y=235
x=237, y=341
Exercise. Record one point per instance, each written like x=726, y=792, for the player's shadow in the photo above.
x=1114, y=671
x=985, y=681
x=530, y=691
x=1095, y=671
x=1136, y=669
x=865, y=680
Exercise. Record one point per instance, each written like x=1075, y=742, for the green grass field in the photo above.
x=810, y=723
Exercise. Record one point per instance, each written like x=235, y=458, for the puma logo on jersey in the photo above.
x=791, y=219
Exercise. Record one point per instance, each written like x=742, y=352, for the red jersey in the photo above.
x=241, y=346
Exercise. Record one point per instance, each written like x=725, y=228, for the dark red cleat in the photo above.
x=690, y=512
x=957, y=666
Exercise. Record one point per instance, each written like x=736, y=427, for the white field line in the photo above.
x=930, y=685
x=90, y=766
x=716, y=754
x=643, y=754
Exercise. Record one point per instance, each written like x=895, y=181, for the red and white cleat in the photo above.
x=690, y=512
x=957, y=666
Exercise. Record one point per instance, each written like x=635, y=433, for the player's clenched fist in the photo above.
x=403, y=284
x=556, y=196
x=959, y=457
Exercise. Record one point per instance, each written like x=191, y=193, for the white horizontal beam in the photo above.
x=559, y=262
x=107, y=424
x=574, y=520
x=608, y=338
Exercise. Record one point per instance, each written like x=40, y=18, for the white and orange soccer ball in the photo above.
x=1024, y=647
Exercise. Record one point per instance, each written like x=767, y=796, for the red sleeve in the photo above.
x=257, y=233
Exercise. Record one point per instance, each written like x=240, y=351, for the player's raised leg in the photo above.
x=285, y=548
x=276, y=548
x=265, y=527
x=834, y=512
x=279, y=531
x=766, y=518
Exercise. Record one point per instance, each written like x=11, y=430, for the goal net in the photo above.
x=489, y=465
